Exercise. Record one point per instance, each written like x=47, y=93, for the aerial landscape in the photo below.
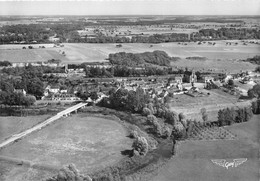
x=106, y=91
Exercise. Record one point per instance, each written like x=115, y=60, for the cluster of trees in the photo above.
x=69, y=173
x=124, y=71
x=155, y=38
x=254, y=92
x=26, y=33
x=34, y=70
x=122, y=99
x=5, y=63
x=254, y=60
x=134, y=59
x=28, y=78
x=140, y=102
x=140, y=146
x=226, y=33
x=17, y=99
x=40, y=32
x=229, y=116
x=89, y=94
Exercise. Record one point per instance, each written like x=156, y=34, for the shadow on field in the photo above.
x=128, y=153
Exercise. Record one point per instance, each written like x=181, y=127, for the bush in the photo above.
x=133, y=134
x=69, y=173
x=140, y=145
x=178, y=131
x=146, y=111
x=181, y=116
x=204, y=114
x=166, y=132
x=151, y=119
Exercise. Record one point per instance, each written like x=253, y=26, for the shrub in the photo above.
x=69, y=173
x=166, y=132
x=204, y=114
x=146, y=111
x=181, y=116
x=171, y=117
x=178, y=131
x=190, y=127
x=133, y=134
x=151, y=119
x=256, y=106
x=157, y=128
x=140, y=145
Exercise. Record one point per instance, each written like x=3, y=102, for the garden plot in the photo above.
x=210, y=132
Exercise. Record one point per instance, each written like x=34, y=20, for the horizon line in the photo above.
x=131, y=15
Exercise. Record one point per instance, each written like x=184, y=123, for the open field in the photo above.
x=83, y=52
x=193, y=159
x=217, y=100
x=13, y=125
x=30, y=55
x=12, y=172
x=90, y=143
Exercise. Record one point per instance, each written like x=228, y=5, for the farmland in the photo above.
x=218, y=55
x=89, y=142
x=193, y=159
x=217, y=100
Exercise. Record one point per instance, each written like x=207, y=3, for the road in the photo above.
x=65, y=112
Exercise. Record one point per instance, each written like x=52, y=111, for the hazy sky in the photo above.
x=131, y=7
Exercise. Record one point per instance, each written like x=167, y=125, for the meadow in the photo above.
x=89, y=142
x=13, y=125
x=191, y=106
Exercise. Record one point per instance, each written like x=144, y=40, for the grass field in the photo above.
x=191, y=106
x=13, y=125
x=83, y=52
x=13, y=172
x=193, y=159
x=90, y=143
x=30, y=55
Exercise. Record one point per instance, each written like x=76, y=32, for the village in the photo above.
x=129, y=97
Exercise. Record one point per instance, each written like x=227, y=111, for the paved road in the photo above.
x=67, y=111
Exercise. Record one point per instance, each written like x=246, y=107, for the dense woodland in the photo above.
x=136, y=59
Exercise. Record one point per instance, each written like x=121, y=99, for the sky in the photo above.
x=130, y=7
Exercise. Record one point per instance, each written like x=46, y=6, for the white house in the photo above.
x=53, y=89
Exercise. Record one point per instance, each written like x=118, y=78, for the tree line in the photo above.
x=226, y=34
x=68, y=32
x=230, y=116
